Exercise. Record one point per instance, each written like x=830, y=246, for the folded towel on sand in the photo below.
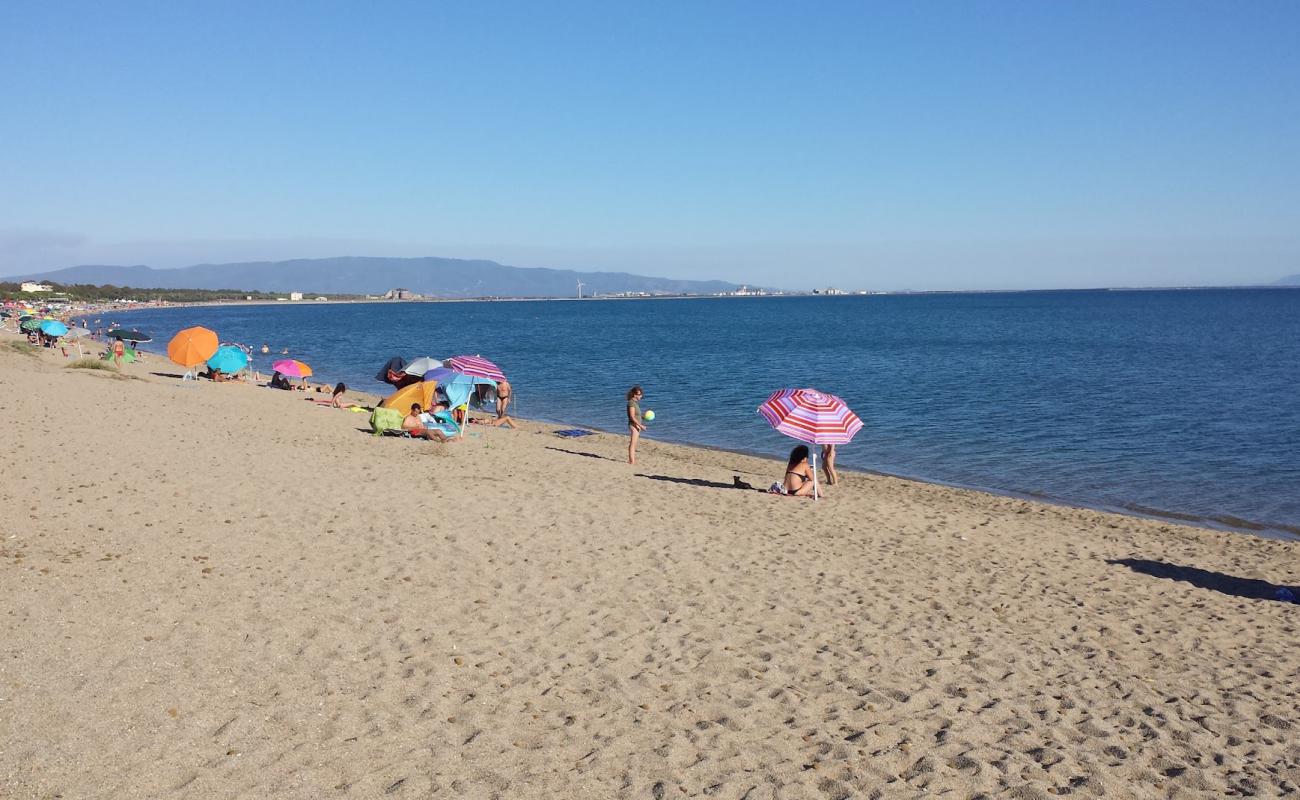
x=573, y=433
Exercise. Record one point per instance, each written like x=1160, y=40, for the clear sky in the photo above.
x=887, y=146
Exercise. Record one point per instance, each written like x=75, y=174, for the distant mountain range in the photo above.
x=441, y=277
x=1290, y=280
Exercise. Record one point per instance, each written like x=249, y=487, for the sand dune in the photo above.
x=223, y=591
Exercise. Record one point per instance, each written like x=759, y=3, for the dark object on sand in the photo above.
x=739, y=483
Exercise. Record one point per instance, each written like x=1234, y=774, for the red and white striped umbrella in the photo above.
x=810, y=416
x=476, y=367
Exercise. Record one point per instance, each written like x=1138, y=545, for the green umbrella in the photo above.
x=128, y=356
x=31, y=325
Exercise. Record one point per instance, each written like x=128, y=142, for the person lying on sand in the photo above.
x=336, y=398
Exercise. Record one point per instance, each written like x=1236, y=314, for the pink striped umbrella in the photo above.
x=476, y=367
x=811, y=416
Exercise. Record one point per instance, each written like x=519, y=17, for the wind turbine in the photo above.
x=580, y=285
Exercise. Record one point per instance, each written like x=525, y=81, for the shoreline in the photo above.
x=1225, y=522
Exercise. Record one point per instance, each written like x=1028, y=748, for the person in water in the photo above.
x=798, y=475
x=634, y=423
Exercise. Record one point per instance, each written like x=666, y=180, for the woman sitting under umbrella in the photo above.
x=798, y=475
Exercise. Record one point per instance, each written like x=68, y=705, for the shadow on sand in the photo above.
x=735, y=484
x=1248, y=588
x=583, y=454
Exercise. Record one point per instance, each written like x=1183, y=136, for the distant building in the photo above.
x=830, y=290
x=32, y=286
x=401, y=294
x=295, y=295
x=322, y=298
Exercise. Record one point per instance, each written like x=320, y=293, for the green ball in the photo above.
x=647, y=416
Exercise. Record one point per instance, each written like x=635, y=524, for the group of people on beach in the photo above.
x=798, y=480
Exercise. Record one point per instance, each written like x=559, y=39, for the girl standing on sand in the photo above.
x=828, y=464
x=634, y=423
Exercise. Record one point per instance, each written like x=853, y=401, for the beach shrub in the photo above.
x=92, y=363
x=26, y=348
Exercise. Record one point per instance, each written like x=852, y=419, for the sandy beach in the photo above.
x=225, y=591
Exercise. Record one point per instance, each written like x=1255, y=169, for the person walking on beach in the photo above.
x=119, y=350
x=634, y=423
x=828, y=464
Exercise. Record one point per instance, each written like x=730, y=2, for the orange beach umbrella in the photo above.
x=192, y=346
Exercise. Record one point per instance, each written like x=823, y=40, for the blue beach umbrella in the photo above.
x=459, y=387
x=440, y=374
x=52, y=327
x=228, y=359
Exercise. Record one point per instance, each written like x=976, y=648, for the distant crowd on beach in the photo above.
x=439, y=409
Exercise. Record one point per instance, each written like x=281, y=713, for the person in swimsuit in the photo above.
x=798, y=475
x=828, y=464
x=503, y=398
x=634, y=423
x=413, y=425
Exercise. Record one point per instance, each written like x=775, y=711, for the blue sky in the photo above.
x=889, y=146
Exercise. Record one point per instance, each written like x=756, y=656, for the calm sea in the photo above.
x=1181, y=402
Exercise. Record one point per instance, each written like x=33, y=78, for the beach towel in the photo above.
x=384, y=419
x=573, y=433
x=441, y=421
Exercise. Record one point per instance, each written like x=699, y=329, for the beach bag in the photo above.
x=382, y=419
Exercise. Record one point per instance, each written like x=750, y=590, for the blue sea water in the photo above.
x=1180, y=402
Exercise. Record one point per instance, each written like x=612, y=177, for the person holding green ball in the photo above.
x=634, y=423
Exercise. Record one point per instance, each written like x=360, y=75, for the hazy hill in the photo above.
x=443, y=277
x=1290, y=280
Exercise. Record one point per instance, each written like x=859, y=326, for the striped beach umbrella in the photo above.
x=811, y=416
x=476, y=367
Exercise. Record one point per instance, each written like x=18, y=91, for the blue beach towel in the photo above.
x=573, y=433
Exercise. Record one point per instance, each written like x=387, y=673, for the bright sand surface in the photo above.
x=224, y=591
